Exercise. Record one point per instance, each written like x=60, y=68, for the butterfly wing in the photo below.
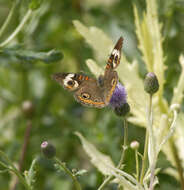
x=89, y=91
x=69, y=81
x=114, y=58
x=110, y=78
x=110, y=81
x=86, y=89
x=90, y=94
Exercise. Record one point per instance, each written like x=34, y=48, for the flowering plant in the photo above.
x=163, y=123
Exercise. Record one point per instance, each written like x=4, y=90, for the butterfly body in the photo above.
x=93, y=92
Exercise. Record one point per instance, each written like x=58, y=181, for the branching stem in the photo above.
x=13, y=169
x=76, y=183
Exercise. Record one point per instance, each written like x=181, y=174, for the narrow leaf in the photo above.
x=99, y=160
x=29, y=55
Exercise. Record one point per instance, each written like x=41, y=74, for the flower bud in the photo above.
x=28, y=109
x=48, y=149
x=151, y=84
x=134, y=145
x=123, y=110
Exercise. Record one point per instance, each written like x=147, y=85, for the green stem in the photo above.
x=152, y=145
x=5, y=24
x=4, y=165
x=109, y=178
x=17, y=30
x=144, y=160
x=105, y=182
x=76, y=183
x=137, y=164
x=21, y=179
x=14, y=170
x=124, y=144
x=177, y=161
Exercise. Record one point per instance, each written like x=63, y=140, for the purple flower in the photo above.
x=118, y=101
x=119, y=96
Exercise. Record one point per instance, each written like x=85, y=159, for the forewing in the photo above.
x=114, y=58
x=69, y=81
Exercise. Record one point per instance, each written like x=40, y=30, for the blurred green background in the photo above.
x=56, y=114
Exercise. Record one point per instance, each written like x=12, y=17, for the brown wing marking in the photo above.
x=114, y=59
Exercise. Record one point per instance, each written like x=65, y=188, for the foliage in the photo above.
x=36, y=32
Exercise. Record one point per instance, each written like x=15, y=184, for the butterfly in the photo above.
x=90, y=91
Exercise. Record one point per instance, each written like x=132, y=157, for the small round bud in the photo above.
x=123, y=110
x=134, y=145
x=28, y=109
x=151, y=84
x=48, y=149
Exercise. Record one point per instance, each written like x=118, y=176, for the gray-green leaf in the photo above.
x=29, y=55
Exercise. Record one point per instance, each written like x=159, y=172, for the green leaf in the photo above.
x=30, y=175
x=32, y=56
x=106, y=166
x=99, y=160
x=35, y=4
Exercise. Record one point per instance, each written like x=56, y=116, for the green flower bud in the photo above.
x=151, y=84
x=134, y=145
x=122, y=110
x=48, y=149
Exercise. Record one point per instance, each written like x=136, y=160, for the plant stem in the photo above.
x=109, y=178
x=17, y=30
x=12, y=168
x=5, y=24
x=21, y=179
x=152, y=145
x=124, y=144
x=152, y=176
x=25, y=145
x=105, y=182
x=144, y=160
x=76, y=183
x=177, y=161
x=137, y=164
x=24, y=149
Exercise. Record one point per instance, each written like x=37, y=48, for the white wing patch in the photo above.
x=115, y=52
x=69, y=78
